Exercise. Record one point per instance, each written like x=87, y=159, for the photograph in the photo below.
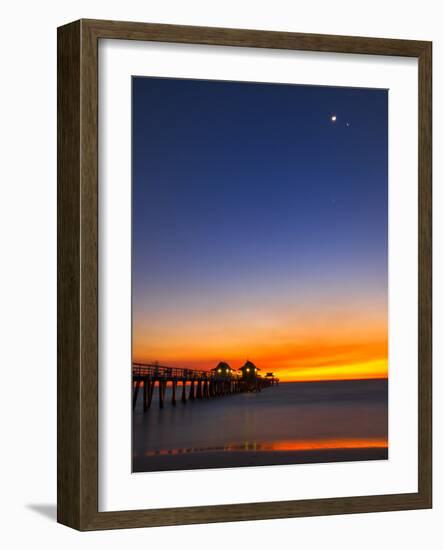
x=259, y=274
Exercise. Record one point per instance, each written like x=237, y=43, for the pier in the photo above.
x=188, y=385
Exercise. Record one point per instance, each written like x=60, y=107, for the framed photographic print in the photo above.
x=244, y=275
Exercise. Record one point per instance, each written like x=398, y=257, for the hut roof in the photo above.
x=222, y=365
x=249, y=365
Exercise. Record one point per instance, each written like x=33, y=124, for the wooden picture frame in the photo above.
x=78, y=274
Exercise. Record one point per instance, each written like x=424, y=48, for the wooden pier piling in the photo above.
x=134, y=397
x=145, y=393
x=174, y=386
x=161, y=394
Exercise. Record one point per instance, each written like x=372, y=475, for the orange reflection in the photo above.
x=281, y=446
x=317, y=444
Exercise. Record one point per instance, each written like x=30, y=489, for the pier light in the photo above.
x=222, y=368
x=249, y=371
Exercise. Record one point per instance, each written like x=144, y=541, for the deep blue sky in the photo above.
x=250, y=189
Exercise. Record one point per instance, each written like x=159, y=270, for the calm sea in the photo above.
x=285, y=424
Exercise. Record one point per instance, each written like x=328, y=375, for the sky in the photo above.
x=260, y=221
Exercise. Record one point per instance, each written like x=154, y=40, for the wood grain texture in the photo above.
x=68, y=275
x=425, y=274
x=78, y=269
x=254, y=38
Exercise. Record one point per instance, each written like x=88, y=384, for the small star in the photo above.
x=334, y=118
x=348, y=124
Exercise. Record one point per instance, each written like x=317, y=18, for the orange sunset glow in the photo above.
x=315, y=345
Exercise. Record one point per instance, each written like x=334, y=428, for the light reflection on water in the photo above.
x=295, y=445
x=289, y=417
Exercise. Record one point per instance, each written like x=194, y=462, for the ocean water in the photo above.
x=284, y=424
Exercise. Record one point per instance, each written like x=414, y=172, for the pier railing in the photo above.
x=161, y=371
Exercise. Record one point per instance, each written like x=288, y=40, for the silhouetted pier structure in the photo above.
x=189, y=384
